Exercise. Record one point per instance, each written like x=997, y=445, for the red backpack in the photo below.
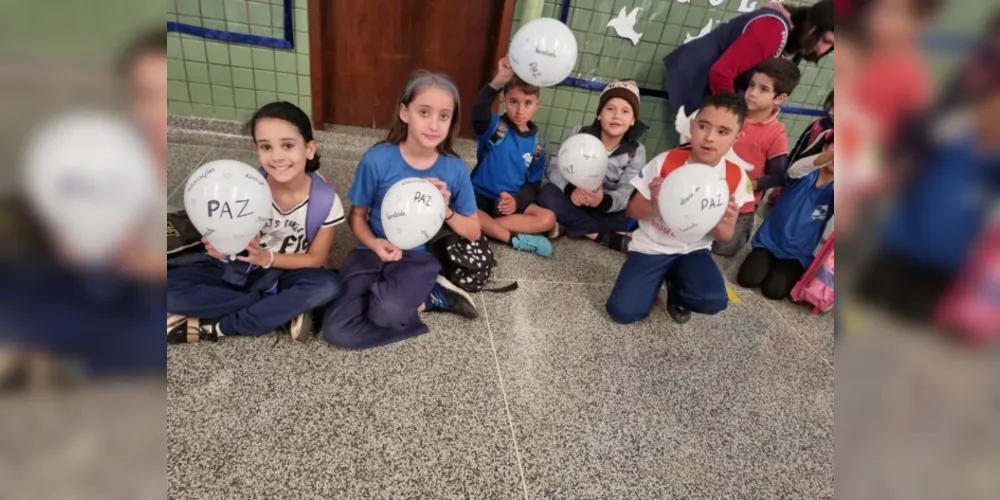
x=678, y=157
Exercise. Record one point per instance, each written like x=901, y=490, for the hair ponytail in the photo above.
x=313, y=164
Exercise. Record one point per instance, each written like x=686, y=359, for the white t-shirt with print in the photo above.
x=285, y=232
x=653, y=235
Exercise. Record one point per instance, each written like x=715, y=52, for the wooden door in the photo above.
x=368, y=48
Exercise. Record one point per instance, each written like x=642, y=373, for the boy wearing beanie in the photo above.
x=600, y=215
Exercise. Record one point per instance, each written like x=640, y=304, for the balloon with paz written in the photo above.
x=412, y=213
x=543, y=52
x=228, y=202
x=693, y=200
x=90, y=179
x=583, y=160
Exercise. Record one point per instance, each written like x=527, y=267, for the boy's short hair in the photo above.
x=732, y=102
x=784, y=73
x=517, y=83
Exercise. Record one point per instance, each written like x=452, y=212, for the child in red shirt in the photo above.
x=763, y=143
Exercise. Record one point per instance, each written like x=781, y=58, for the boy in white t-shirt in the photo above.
x=656, y=256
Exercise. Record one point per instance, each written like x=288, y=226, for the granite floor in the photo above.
x=543, y=397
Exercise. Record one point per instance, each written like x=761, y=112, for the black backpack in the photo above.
x=467, y=264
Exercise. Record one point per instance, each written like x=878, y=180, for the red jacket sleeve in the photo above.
x=759, y=42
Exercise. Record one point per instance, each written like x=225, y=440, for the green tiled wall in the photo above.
x=215, y=79
x=664, y=25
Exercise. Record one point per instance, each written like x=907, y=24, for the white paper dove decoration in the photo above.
x=683, y=125
x=624, y=25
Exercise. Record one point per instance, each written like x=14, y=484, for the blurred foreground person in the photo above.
x=92, y=297
x=947, y=194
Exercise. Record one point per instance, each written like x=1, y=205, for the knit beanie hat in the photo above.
x=624, y=89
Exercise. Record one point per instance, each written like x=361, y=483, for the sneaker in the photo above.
x=557, y=232
x=301, y=327
x=192, y=330
x=533, y=243
x=447, y=297
x=679, y=314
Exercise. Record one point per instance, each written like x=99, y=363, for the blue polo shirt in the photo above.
x=383, y=165
x=507, y=166
x=943, y=210
x=795, y=226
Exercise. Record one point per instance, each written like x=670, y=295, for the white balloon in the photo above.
x=228, y=202
x=90, y=178
x=583, y=160
x=693, y=200
x=412, y=213
x=543, y=52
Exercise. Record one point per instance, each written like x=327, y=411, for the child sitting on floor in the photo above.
x=386, y=288
x=785, y=244
x=511, y=160
x=656, y=256
x=600, y=215
x=763, y=143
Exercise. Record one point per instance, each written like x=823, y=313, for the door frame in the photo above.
x=318, y=78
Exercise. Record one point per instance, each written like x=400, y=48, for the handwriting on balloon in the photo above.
x=688, y=228
x=422, y=198
x=204, y=175
x=546, y=53
x=223, y=208
x=534, y=69
x=208, y=232
x=707, y=203
x=394, y=215
x=256, y=178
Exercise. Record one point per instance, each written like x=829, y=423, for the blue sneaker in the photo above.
x=446, y=297
x=532, y=243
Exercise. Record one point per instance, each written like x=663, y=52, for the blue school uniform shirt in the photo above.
x=793, y=229
x=383, y=165
x=507, y=167
x=942, y=212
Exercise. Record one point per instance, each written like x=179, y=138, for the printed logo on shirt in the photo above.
x=820, y=212
x=750, y=188
x=527, y=160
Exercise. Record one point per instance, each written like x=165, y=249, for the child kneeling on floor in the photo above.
x=511, y=159
x=656, y=256
x=385, y=288
x=284, y=275
x=785, y=244
x=600, y=215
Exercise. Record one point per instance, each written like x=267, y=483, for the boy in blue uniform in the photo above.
x=511, y=160
x=786, y=242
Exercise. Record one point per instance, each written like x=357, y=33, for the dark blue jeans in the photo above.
x=109, y=322
x=580, y=221
x=199, y=291
x=693, y=281
x=380, y=300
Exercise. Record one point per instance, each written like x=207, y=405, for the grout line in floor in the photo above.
x=503, y=392
x=798, y=334
x=196, y=165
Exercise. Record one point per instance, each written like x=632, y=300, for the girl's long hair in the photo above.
x=420, y=80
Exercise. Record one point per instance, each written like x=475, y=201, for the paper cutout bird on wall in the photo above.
x=624, y=25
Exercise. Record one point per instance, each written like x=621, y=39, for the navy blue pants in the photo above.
x=693, y=281
x=580, y=221
x=108, y=322
x=199, y=291
x=380, y=300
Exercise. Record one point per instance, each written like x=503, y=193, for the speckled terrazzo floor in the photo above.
x=543, y=397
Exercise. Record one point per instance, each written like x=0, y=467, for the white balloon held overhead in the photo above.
x=543, y=52
x=692, y=201
x=228, y=202
x=412, y=213
x=90, y=177
x=583, y=160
